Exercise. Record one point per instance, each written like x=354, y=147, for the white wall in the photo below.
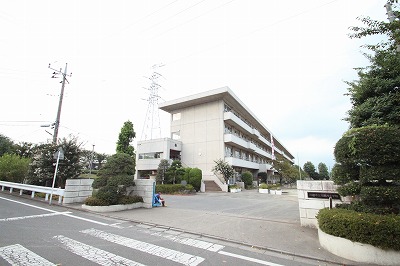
x=309, y=207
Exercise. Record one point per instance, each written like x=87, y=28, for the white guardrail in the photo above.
x=24, y=187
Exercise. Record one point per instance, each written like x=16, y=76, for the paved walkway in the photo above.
x=268, y=222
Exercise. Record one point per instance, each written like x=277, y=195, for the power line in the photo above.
x=190, y=20
x=251, y=32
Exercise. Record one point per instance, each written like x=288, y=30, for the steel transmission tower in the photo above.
x=151, y=127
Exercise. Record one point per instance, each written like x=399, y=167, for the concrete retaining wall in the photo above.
x=309, y=207
x=144, y=188
x=77, y=190
x=359, y=252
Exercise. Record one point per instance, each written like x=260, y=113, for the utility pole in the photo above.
x=57, y=122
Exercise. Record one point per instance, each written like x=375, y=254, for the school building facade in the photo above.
x=209, y=126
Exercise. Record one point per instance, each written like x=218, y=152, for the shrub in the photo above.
x=247, y=178
x=263, y=176
x=93, y=201
x=382, y=231
x=130, y=199
x=264, y=186
x=174, y=189
x=195, y=176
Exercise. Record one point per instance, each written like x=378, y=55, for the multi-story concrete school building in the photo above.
x=209, y=126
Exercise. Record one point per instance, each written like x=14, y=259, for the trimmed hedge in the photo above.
x=175, y=189
x=382, y=231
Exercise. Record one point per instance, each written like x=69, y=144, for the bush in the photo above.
x=195, y=176
x=174, y=189
x=382, y=231
x=264, y=186
x=93, y=201
x=130, y=199
x=247, y=178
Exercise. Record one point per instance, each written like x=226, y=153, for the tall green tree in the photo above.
x=375, y=96
x=323, y=171
x=287, y=170
x=25, y=149
x=42, y=167
x=6, y=145
x=162, y=171
x=367, y=155
x=125, y=139
x=309, y=168
x=13, y=168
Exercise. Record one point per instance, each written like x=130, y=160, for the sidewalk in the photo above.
x=264, y=221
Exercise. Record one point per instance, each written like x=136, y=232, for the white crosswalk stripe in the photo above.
x=166, y=253
x=91, y=253
x=187, y=241
x=19, y=256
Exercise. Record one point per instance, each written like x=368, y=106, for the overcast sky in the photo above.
x=286, y=60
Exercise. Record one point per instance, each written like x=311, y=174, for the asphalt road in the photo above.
x=34, y=233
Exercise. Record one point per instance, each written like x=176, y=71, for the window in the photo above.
x=176, y=116
x=151, y=155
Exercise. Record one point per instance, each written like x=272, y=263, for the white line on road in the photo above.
x=32, y=216
x=63, y=213
x=188, y=241
x=26, y=204
x=263, y=262
x=166, y=253
x=91, y=253
x=19, y=256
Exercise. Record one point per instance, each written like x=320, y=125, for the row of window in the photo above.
x=232, y=130
x=150, y=155
x=244, y=155
x=227, y=108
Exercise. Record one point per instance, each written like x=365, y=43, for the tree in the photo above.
x=6, y=145
x=13, y=168
x=175, y=172
x=162, y=171
x=223, y=168
x=41, y=170
x=118, y=164
x=368, y=167
x=195, y=176
x=375, y=97
x=323, y=171
x=125, y=138
x=25, y=149
x=309, y=168
x=368, y=154
x=247, y=178
x=286, y=169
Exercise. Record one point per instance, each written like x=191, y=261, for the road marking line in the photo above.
x=32, y=216
x=65, y=214
x=20, y=256
x=91, y=253
x=26, y=204
x=85, y=219
x=188, y=241
x=166, y=253
x=249, y=259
